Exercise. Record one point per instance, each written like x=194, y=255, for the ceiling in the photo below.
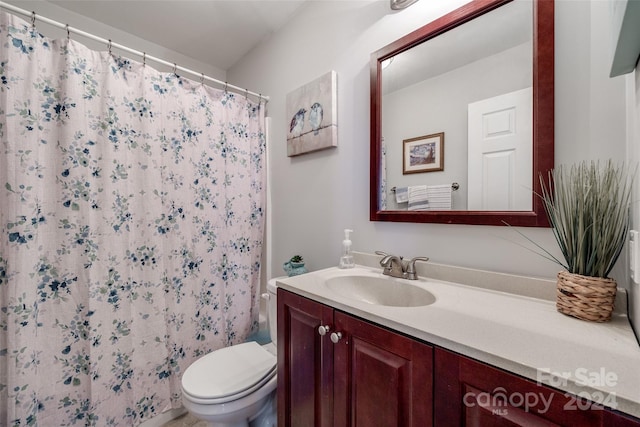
x=215, y=32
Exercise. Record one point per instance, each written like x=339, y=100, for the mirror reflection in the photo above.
x=456, y=118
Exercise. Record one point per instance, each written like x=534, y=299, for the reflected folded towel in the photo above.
x=418, y=199
x=402, y=194
x=439, y=197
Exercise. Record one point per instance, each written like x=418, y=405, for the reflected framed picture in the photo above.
x=423, y=154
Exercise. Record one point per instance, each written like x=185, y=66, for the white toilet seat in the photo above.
x=228, y=374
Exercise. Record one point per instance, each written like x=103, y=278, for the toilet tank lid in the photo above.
x=228, y=371
x=271, y=284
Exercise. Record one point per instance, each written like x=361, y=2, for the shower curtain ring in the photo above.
x=33, y=19
x=226, y=86
x=246, y=94
x=175, y=68
x=144, y=59
x=109, y=46
x=202, y=78
x=68, y=32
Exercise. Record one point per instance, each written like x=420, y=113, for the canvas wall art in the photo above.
x=313, y=116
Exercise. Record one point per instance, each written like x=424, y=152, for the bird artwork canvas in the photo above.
x=313, y=116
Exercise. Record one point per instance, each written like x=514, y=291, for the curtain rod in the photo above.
x=144, y=55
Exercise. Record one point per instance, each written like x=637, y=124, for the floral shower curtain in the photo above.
x=131, y=220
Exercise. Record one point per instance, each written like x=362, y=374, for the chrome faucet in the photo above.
x=394, y=266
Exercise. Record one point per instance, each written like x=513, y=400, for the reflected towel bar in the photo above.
x=454, y=187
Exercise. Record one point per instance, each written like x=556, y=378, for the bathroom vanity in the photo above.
x=472, y=356
x=371, y=374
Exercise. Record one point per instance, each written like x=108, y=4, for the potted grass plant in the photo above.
x=588, y=206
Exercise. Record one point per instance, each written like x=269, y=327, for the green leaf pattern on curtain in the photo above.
x=131, y=223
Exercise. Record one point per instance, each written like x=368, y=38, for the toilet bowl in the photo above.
x=236, y=386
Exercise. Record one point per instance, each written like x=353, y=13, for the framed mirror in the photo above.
x=462, y=117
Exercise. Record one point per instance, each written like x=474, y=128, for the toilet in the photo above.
x=236, y=386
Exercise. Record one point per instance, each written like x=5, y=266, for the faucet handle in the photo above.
x=411, y=267
x=385, y=260
x=385, y=256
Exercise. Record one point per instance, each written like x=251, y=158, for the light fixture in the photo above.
x=401, y=4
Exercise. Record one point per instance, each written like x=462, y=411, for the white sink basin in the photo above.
x=380, y=291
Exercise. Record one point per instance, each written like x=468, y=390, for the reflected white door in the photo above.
x=501, y=152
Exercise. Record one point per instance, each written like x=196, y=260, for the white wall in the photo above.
x=315, y=196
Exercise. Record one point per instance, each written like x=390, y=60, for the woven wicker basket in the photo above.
x=584, y=297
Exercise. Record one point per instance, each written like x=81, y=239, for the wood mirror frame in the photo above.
x=543, y=116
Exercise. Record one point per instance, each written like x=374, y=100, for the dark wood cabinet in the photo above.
x=472, y=393
x=381, y=378
x=305, y=363
x=357, y=374
x=616, y=419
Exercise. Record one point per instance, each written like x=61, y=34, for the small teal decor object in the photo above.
x=294, y=266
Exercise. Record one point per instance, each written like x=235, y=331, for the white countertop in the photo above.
x=521, y=334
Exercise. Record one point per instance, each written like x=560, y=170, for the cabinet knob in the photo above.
x=335, y=337
x=323, y=330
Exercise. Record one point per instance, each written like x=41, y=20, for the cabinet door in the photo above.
x=471, y=393
x=616, y=419
x=381, y=378
x=305, y=363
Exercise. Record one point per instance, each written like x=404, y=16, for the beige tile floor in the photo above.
x=186, y=420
